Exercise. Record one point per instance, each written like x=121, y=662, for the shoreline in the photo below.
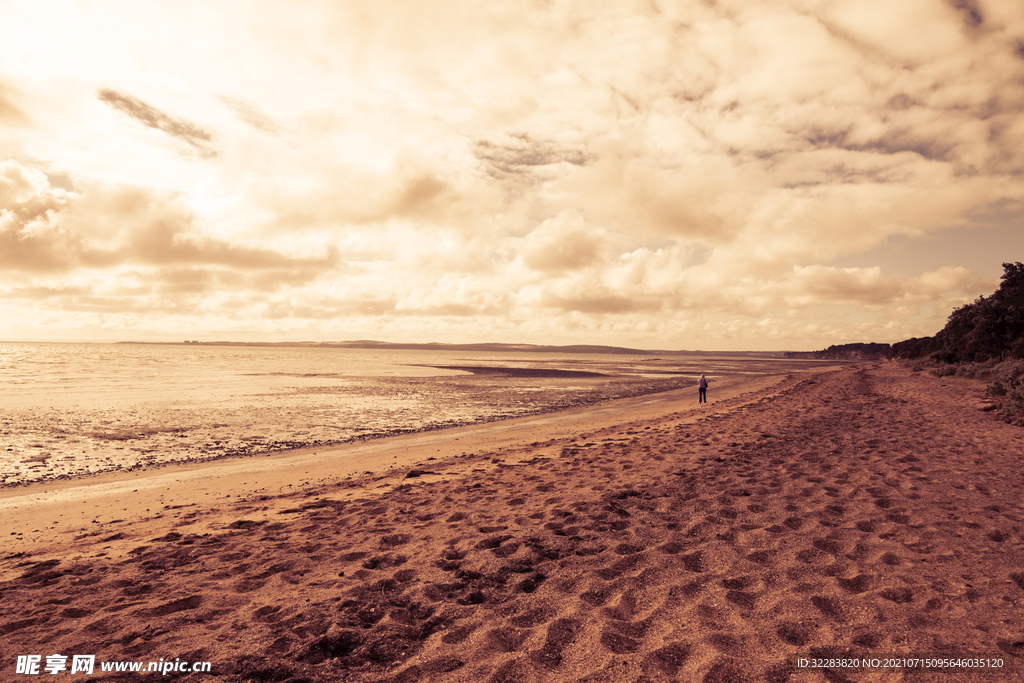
x=153, y=408
x=123, y=493
x=861, y=510
x=248, y=448
x=626, y=391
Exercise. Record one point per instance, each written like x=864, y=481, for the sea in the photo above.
x=70, y=410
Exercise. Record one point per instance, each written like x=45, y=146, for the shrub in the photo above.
x=944, y=356
x=944, y=370
x=996, y=388
x=1008, y=389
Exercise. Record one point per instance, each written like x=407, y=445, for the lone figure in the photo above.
x=702, y=390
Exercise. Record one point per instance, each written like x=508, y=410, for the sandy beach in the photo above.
x=865, y=510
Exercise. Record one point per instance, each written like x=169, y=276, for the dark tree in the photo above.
x=991, y=327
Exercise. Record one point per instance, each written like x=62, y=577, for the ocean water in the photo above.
x=71, y=410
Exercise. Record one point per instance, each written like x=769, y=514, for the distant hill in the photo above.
x=483, y=348
x=490, y=347
x=861, y=351
x=990, y=328
x=433, y=346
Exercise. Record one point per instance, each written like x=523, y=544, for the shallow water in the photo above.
x=70, y=410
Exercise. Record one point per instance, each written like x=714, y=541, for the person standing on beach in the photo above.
x=702, y=390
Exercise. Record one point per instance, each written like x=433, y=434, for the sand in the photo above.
x=861, y=511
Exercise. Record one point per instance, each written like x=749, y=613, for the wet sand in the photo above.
x=863, y=510
x=140, y=432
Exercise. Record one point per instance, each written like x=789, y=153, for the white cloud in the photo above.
x=563, y=243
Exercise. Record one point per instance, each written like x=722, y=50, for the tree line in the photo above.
x=989, y=328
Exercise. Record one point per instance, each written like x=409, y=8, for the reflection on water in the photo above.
x=72, y=409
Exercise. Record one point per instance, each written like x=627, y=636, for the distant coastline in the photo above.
x=860, y=351
x=486, y=347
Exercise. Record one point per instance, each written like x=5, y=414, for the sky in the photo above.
x=702, y=174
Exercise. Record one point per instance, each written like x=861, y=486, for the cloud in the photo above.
x=154, y=118
x=169, y=239
x=632, y=193
x=563, y=243
x=828, y=285
x=519, y=154
x=407, y=187
x=613, y=304
x=252, y=116
x=969, y=12
x=944, y=280
x=10, y=113
x=48, y=292
x=866, y=289
x=43, y=229
x=31, y=236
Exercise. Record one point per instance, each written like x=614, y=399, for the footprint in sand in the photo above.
x=619, y=643
x=859, y=583
x=795, y=633
x=670, y=658
x=560, y=634
x=830, y=607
